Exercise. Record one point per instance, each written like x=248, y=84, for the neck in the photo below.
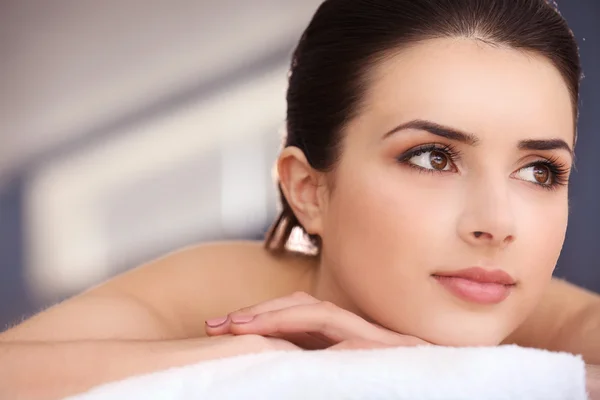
x=323, y=285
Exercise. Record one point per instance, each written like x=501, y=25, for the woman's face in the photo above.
x=486, y=191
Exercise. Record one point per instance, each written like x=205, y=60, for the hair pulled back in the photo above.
x=346, y=38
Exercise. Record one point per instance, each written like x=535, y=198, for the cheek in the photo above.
x=378, y=217
x=542, y=228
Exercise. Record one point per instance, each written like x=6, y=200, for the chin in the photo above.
x=456, y=329
x=465, y=334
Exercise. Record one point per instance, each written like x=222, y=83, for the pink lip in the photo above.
x=480, y=275
x=477, y=285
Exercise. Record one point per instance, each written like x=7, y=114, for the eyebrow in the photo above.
x=541, y=145
x=436, y=129
x=472, y=140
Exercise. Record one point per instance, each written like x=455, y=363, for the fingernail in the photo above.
x=216, y=322
x=242, y=319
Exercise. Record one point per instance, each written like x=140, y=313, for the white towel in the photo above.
x=411, y=373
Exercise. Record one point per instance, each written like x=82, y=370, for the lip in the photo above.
x=480, y=275
x=477, y=285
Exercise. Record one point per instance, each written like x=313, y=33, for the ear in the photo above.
x=301, y=185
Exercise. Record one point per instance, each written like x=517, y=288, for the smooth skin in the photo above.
x=153, y=318
x=389, y=218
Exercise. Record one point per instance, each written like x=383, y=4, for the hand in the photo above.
x=309, y=323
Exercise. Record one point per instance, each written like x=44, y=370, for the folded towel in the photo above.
x=427, y=373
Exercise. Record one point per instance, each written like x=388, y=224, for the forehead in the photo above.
x=498, y=93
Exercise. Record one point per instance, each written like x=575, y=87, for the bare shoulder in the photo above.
x=196, y=283
x=561, y=305
x=169, y=298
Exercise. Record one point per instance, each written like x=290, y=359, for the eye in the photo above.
x=436, y=160
x=431, y=158
x=548, y=174
x=539, y=174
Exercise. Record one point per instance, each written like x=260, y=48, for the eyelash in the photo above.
x=558, y=170
x=450, y=151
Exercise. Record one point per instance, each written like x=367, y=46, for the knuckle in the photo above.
x=245, y=310
x=301, y=296
x=329, y=306
x=328, y=315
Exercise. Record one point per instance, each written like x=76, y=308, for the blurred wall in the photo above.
x=132, y=128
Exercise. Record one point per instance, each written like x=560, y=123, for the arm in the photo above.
x=54, y=370
x=567, y=319
x=89, y=340
x=48, y=371
x=104, y=315
x=145, y=320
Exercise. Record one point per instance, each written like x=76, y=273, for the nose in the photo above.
x=488, y=217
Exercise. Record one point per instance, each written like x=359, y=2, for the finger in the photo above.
x=295, y=299
x=324, y=318
x=220, y=326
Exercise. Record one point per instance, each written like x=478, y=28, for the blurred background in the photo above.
x=131, y=128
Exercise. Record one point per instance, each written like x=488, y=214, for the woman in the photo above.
x=427, y=160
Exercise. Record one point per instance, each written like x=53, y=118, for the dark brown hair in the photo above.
x=347, y=38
